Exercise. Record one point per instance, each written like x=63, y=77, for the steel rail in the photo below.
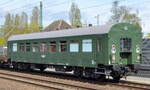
x=25, y=82
x=122, y=83
x=132, y=85
x=45, y=81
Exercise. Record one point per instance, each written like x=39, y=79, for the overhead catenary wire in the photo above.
x=57, y=4
x=64, y=3
x=5, y=3
x=30, y=5
x=49, y=6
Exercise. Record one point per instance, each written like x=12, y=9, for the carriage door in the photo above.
x=125, y=50
x=43, y=48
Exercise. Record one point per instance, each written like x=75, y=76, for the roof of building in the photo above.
x=57, y=25
x=63, y=33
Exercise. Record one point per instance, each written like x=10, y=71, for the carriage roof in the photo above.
x=63, y=33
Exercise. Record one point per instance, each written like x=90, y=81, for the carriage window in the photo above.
x=74, y=46
x=35, y=47
x=43, y=47
x=87, y=45
x=27, y=47
x=22, y=47
x=14, y=48
x=63, y=46
x=52, y=46
x=125, y=44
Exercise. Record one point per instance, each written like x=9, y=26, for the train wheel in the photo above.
x=78, y=72
x=90, y=73
x=116, y=79
x=28, y=67
x=102, y=77
x=42, y=68
x=15, y=66
x=116, y=76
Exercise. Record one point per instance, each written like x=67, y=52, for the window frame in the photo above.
x=16, y=48
x=62, y=44
x=22, y=47
x=28, y=46
x=74, y=42
x=43, y=47
x=50, y=44
x=125, y=44
x=35, y=44
x=85, y=42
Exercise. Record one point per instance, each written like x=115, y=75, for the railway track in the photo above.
x=133, y=85
x=57, y=84
x=43, y=83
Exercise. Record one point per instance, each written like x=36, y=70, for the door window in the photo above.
x=14, y=49
x=125, y=44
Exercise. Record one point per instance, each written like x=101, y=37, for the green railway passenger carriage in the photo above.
x=94, y=52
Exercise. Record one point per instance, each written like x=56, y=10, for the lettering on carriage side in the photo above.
x=43, y=56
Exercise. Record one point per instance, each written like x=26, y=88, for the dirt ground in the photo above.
x=143, y=80
x=13, y=85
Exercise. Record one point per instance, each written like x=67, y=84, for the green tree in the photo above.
x=8, y=23
x=13, y=25
x=123, y=14
x=75, y=16
x=17, y=24
x=2, y=41
x=148, y=35
x=116, y=12
x=1, y=31
x=5, y=29
x=24, y=23
x=34, y=25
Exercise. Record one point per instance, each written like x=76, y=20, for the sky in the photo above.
x=59, y=9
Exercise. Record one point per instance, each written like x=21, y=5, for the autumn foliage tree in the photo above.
x=34, y=25
x=75, y=16
x=123, y=14
x=19, y=24
x=24, y=22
